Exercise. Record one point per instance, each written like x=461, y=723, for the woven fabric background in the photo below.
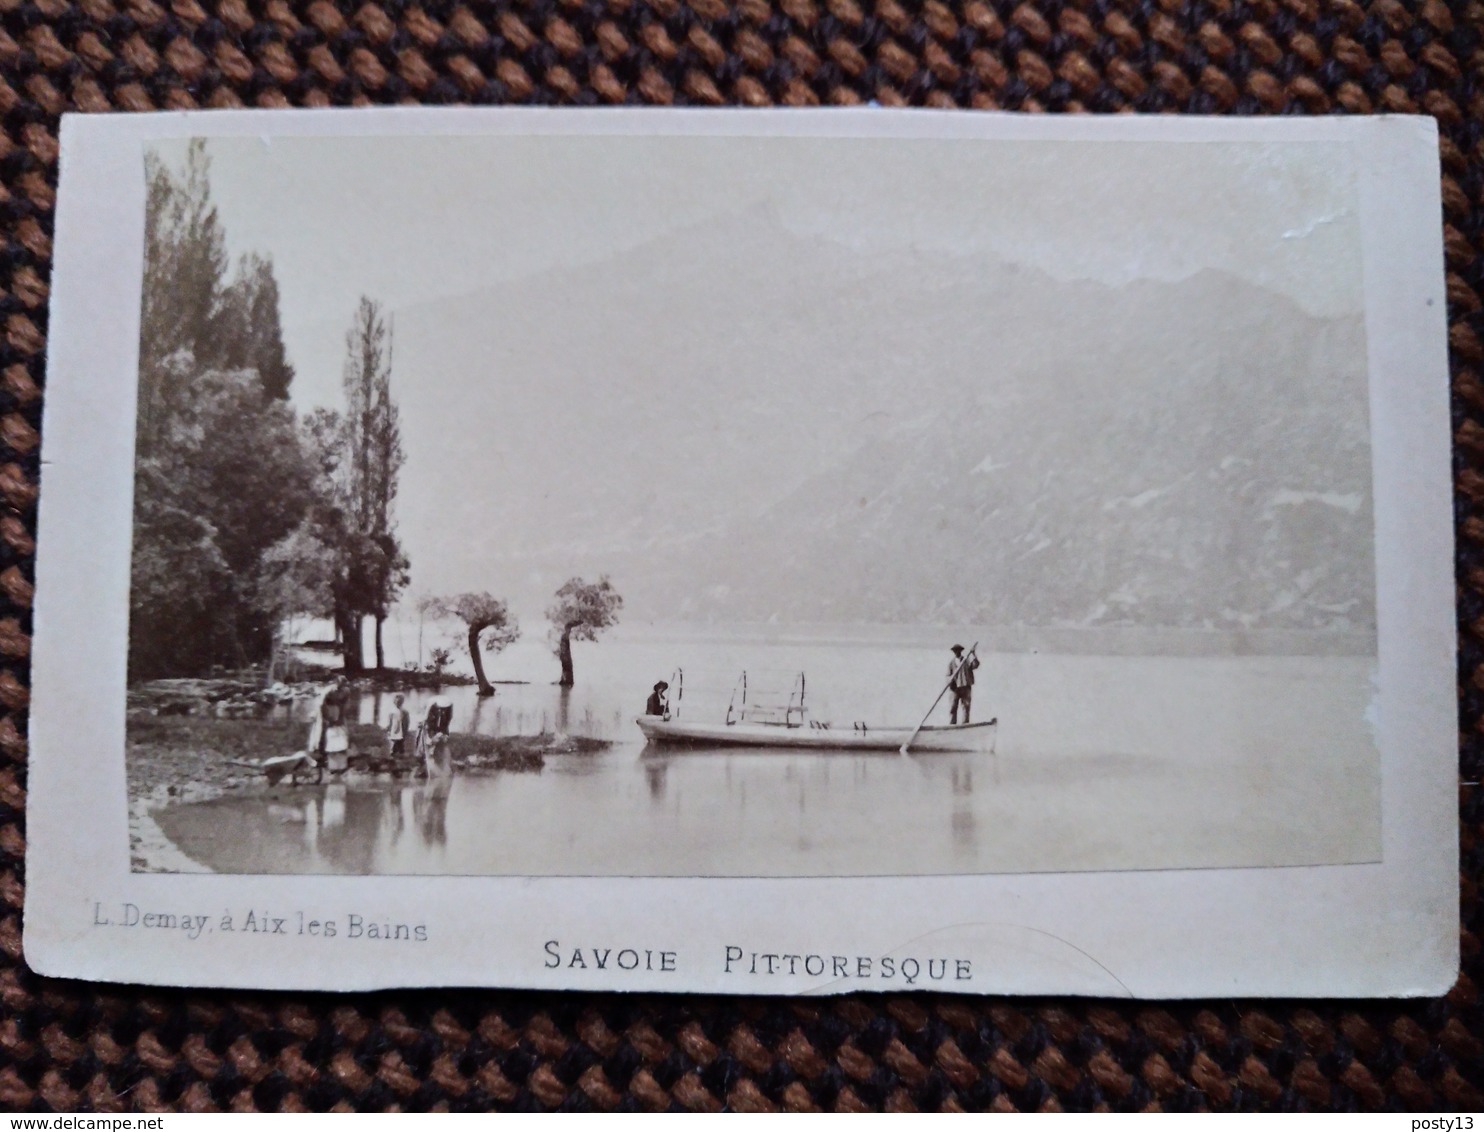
x=68, y=1045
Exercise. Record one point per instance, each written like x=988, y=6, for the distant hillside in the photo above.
x=740, y=424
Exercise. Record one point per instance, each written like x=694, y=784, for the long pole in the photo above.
x=951, y=678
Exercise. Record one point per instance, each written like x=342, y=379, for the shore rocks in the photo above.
x=243, y=696
x=226, y=698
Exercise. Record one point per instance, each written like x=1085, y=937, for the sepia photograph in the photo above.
x=777, y=552
x=775, y=507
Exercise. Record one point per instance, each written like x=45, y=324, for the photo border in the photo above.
x=1349, y=930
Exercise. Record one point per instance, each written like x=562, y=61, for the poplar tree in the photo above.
x=251, y=335
x=220, y=473
x=375, y=567
x=185, y=267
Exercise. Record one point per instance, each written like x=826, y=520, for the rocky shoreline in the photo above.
x=245, y=695
x=173, y=759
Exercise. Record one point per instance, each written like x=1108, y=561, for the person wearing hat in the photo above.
x=961, y=682
x=329, y=741
x=432, y=738
x=656, y=704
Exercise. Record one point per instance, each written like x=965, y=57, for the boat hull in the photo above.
x=671, y=732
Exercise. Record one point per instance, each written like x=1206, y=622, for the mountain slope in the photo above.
x=740, y=423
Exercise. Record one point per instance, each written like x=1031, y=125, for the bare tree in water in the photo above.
x=486, y=617
x=582, y=611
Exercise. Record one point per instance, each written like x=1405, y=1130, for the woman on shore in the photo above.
x=329, y=740
x=433, y=738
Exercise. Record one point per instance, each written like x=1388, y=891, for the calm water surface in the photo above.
x=1099, y=763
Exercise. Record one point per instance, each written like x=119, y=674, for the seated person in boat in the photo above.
x=658, y=703
x=961, y=682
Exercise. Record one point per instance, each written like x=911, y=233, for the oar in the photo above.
x=951, y=678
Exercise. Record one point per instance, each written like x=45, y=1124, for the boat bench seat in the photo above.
x=783, y=715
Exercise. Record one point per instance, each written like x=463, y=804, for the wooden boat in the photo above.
x=673, y=732
x=779, y=718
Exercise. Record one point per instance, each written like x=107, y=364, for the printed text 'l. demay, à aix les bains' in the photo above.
x=350, y=926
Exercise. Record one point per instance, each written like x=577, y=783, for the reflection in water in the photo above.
x=1103, y=764
x=430, y=810
x=630, y=811
x=961, y=782
x=333, y=807
x=654, y=774
x=338, y=828
x=962, y=777
x=338, y=824
x=477, y=711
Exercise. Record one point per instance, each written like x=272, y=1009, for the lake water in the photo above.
x=1099, y=763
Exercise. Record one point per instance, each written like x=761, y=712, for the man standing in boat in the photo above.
x=961, y=682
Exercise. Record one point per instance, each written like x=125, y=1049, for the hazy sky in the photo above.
x=409, y=220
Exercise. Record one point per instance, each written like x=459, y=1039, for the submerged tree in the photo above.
x=582, y=611
x=486, y=617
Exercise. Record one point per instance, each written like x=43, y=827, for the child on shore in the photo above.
x=398, y=723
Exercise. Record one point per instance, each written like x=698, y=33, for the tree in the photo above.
x=582, y=611
x=351, y=552
x=389, y=576
x=185, y=266
x=295, y=577
x=372, y=461
x=322, y=434
x=178, y=586
x=224, y=480
x=438, y=661
x=221, y=473
x=484, y=616
x=251, y=334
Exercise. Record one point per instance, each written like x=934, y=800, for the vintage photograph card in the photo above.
x=759, y=552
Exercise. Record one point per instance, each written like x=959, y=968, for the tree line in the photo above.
x=245, y=513
x=248, y=514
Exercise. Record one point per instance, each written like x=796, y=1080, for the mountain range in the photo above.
x=739, y=422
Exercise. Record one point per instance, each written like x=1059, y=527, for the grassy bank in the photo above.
x=184, y=754
x=407, y=679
